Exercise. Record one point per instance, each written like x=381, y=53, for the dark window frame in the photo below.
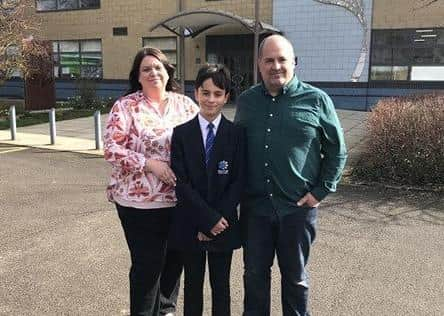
x=411, y=34
x=79, y=44
x=62, y=10
x=120, y=31
x=166, y=50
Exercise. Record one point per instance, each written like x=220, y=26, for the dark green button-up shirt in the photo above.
x=295, y=145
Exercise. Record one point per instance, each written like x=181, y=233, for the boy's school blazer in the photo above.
x=205, y=193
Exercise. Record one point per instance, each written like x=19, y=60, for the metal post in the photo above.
x=52, y=125
x=98, y=130
x=12, y=122
x=181, y=51
x=182, y=60
x=256, y=40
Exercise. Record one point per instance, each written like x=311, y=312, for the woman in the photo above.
x=137, y=144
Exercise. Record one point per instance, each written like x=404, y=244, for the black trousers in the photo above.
x=146, y=233
x=290, y=238
x=170, y=281
x=219, y=264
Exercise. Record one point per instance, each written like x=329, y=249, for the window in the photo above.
x=120, y=31
x=55, y=5
x=8, y=6
x=408, y=54
x=389, y=72
x=11, y=53
x=78, y=59
x=168, y=45
x=427, y=73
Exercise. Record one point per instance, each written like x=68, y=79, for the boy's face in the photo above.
x=211, y=99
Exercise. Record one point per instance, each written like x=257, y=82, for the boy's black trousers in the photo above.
x=219, y=264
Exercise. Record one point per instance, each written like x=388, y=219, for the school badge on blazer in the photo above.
x=222, y=167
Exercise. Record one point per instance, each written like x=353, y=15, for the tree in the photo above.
x=18, y=27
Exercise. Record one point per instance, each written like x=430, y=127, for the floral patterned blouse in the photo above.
x=136, y=132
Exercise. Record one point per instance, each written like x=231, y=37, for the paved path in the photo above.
x=78, y=135
x=62, y=250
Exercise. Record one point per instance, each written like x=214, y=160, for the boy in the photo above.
x=207, y=157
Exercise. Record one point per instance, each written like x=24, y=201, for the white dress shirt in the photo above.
x=204, y=126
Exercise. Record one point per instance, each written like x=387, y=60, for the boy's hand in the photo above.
x=220, y=226
x=202, y=237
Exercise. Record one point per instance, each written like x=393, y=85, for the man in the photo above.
x=296, y=153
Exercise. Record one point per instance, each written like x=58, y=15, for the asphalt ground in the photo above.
x=62, y=251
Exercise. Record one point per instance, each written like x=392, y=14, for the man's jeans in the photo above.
x=290, y=237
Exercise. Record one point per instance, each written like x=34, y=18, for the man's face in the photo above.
x=276, y=63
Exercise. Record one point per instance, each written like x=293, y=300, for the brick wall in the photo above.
x=138, y=16
x=398, y=14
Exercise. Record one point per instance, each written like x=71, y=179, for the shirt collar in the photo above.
x=293, y=82
x=204, y=123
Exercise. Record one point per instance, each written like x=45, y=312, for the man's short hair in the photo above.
x=218, y=73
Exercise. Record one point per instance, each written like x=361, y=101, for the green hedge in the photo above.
x=6, y=103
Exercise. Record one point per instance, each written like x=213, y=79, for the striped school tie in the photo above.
x=209, y=142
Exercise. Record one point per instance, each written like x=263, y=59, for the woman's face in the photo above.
x=152, y=74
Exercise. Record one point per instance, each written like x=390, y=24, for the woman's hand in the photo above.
x=162, y=171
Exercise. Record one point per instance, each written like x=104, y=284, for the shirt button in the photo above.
x=271, y=194
x=266, y=146
x=266, y=164
x=269, y=130
x=271, y=114
x=273, y=99
x=268, y=180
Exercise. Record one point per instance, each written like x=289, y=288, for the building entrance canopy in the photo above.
x=192, y=23
x=197, y=21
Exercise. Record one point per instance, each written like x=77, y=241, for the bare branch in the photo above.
x=18, y=25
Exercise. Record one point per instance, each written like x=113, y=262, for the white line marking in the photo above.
x=12, y=150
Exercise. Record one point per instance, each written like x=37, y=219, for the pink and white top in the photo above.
x=135, y=132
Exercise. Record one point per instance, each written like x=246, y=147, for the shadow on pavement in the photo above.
x=386, y=206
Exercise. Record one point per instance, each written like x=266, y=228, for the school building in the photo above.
x=356, y=50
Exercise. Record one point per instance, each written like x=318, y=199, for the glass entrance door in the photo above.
x=235, y=52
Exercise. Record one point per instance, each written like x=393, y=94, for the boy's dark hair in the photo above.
x=218, y=73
